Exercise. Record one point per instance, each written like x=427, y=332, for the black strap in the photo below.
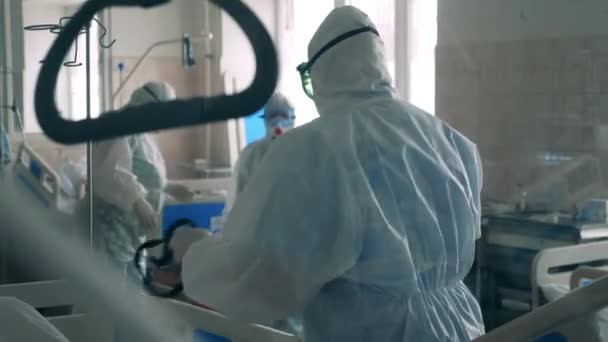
x=166, y=259
x=151, y=93
x=337, y=40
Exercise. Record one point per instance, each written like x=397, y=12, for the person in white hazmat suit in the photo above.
x=128, y=185
x=279, y=117
x=364, y=220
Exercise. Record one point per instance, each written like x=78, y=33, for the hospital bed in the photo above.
x=198, y=318
x=556, y=266
x=570, y=315
x=40, y=183
x=80, y=324
x=201, y=319
x=505, y=258
x=585, y=274
x=33, y=172
x=555, y=317
x=43, y=184
x=36, y=178
x=91, y=325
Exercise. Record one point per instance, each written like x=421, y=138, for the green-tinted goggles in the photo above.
x=304, y=68
x=304, y=71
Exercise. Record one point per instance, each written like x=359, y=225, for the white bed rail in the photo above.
x=45, y=186
x=545, y=319
x=88, y=326
x=194, y=317
x=44, y=294
x=549, y=259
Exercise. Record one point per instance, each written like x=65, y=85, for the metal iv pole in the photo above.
x=89, y=143
x=58, y=28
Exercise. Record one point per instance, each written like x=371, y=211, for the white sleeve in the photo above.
x=232, y=190
x=113, y=179
x=240, y=175
x=288, y=235
x=471, y=163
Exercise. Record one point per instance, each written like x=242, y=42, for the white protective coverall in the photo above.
x=128, y=170
x=254, y=153
x=249, y=158
x=365, y=220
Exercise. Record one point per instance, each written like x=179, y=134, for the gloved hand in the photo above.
x=146, y=215
x=184, y=238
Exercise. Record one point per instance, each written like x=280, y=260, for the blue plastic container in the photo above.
x=200, y=213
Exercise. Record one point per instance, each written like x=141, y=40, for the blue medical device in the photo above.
x=254, y=127
x=201, y=213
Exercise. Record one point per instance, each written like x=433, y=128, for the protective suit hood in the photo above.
x=354, y=70
x=152, y=92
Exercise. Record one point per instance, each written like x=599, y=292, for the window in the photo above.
x=77, y=79
x=418, y=54
x=381, y=12
x=423, y=39
x=296, y=32
x=420, y=49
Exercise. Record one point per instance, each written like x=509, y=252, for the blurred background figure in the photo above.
x=130, y=180
x=279, y=117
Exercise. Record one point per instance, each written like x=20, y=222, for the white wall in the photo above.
x=135, y=29
x=36, y=44
x=71, y=90
x=482, y=20
x=165, y=23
